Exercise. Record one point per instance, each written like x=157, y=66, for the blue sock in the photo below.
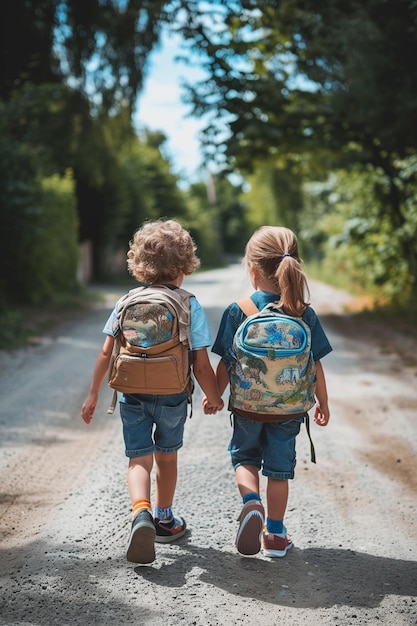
x=274, y=526
x=162, y=514
x=251, y=496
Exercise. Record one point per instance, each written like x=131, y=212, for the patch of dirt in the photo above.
x=65, y=510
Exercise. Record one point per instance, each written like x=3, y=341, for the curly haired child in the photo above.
x=161, y=252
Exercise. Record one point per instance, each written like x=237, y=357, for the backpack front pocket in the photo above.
x=146, y=374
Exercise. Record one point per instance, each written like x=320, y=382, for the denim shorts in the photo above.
x=153, y=423
x=269, y=446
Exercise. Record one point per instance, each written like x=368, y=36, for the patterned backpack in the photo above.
x=152, y=347
x=274, y=372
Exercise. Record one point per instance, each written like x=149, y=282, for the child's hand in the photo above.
x=88, y=408
x=321, y=415
x=211, y=408
x=207, y=408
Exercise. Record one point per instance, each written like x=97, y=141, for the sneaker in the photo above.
x=251, y=518
x=141, y=547
x=170, y=530
x=275, y=545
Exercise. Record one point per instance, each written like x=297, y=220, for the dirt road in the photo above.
x=64, y=507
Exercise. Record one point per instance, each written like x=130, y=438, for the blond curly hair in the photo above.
x=160, y=250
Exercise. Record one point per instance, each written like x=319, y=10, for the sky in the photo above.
x=160, y=107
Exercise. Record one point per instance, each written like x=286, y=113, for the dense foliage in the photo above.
x=312, y=103
x=324, y=91
x=70, y=73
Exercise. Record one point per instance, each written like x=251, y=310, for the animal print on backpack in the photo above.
x=274, y=372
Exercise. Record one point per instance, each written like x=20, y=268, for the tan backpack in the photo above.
x=152, y=349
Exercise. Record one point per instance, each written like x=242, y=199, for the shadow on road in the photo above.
x=304, y=579
x=63, y=579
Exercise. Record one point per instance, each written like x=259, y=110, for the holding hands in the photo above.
x=211, y=408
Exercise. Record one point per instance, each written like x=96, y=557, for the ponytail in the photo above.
x=293, y=286
x=273, y=251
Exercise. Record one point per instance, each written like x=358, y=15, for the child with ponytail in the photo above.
x=259, y=442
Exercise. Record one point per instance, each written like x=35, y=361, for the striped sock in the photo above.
x=163, y=513
x=139, y=505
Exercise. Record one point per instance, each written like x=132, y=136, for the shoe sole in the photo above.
x=277, y=553
x=170, y=538
x=141, y=547
x=249, y=535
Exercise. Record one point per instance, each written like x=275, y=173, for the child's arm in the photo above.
x=100, y=371
x=321, y=411
x=207, y=380
x=222, y=377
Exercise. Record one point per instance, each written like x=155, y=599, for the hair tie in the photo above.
x=286, y=254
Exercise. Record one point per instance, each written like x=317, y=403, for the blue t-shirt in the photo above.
x=233, y=316
x=199, y=328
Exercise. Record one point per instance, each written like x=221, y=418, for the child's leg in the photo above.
x=276, y=498
x=246, y=455
x=139, y=481
x=278, y=466
x=142, y=536
x=166, y=478
x=170, y=414
x=247, y=479
x=168, y=527
x=275, y=540
x=139, y=447
x=251, y=518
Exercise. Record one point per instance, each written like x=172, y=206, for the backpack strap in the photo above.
x=113, y=403
x=247, y=306
x=312, y=450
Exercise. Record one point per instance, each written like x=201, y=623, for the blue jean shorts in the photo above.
x=153, y=423
x=269, y=446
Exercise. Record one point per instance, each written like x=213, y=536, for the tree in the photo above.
x=100, y=48
x=71, y=71
x=333, y=81
x=26, y=45
x=38, y=238
x=299, y=74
